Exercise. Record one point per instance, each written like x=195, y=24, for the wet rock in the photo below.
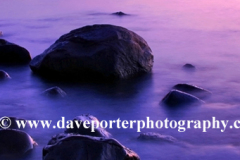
x=11, y=53
x=54, y=92
x=15, y=143
x=80, y=147
x=95, y=52
x=119, y=13
x=189, y=66
x=98, y=131
x=179, y=98
x=193, y=90
x=4, y=75
x=151, y=136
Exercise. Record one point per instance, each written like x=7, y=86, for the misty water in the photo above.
x=203, y=33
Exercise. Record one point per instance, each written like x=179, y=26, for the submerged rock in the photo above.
x=189, y=66
x=94, y=52
x=11, y=53
x=54, y=92
x=79, y=147
x=119, y=13
x=151, y=136
x=193, y=90
x=4, y=75
x=98, y=131
x=15, y=142
x=179, y=98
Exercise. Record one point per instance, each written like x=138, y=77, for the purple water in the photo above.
x=204, y=33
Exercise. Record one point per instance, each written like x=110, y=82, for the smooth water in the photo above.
x=204, y=33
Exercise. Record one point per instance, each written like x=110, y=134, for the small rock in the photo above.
x=119, y=13
x=15, y=142
x=179, y=98
x=80, y=147
x=189, y=66
x=1, y=34
x=4, y=75
x=151, y=136
x=11, y=53
x=54, y=92
x=193, y=90
x=98, y=132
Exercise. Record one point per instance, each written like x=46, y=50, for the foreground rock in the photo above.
x=179, y=98
x=11, y=53
x=98, y=131
x=151, y=136
x=15, y=143
x=54, y=92
x=98, y=51
x=4, y=75
x=79, y=147
x=193, y=90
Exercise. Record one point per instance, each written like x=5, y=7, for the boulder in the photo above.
x=11, y=53
x=179, y=98
x=151, y=136
x=80, y=147
x=95, y=52
x=193, y=90
x=119, y=13
x=98, y=131
x=15, y=142
x=54, y=92
x=4, y=75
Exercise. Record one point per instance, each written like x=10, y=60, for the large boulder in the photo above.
x=15, y=142
x=178, y=98
x=11, y=53
x=102, y=51
x=79, y=147
x=98, y=131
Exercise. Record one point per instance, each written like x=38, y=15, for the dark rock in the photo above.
x=11, y=53
x=1, y=34
x=54, y=92
x=4, y=75
x=79, y=147
x=151, y=136
x=179, y=98
x=193, y=90
x=119, y=13
x=98, y=131
x=94, y=52
x=189, y=66
x=15, y=142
